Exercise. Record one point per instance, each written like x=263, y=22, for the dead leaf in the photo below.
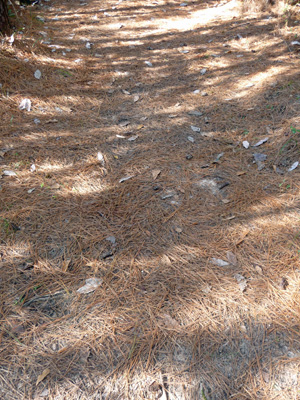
x=65, y=265
x=170, y=322
x=90, y=285
x=178, y=230
x=165, y=260
x=242, y=282
x=42, y=376
x=231, y=258
x=242, y=238
x=51, y=121
x=219, y=262
x=240, y=173
x=258, y=269
x=140, y=127
x=155, y=173
x=283, y=284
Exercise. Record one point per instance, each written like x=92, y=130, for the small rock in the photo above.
x=188, y=156
x=191, y=139
x=204, y=94
x=36, y=121
x=203, y=71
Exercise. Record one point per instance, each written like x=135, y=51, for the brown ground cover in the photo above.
x=197, y=249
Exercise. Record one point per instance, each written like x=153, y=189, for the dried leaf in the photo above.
x=132, y=138
x=240, y=173
x=165, y=260
x=219, y=262
x=231, y=258
x=294, y=166
x=283, y=284
x=25, y=105
x=262, y=141
x=242, y=238
x=242, y=282
x=91, y=284
x=195, y=113
x=195, y=129
x=258, y=269
x=170, y=322
x=100, y=158
x=155, y=173
x=126, y=178
x=8, y=172
x=43, y=375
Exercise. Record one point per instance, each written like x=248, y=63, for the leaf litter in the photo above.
x=131, y=321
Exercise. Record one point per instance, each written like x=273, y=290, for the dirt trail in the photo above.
x=157, y=157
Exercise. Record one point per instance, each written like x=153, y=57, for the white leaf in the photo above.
x=88, y=45
x=78, y=60
x=294, y=166
x=195, y=128
x=126, y=92
x=90, y=285
x=38, y=74
x=133, y=138
x=242, y=282
x=25, y=105
x=219, y=262
x=262, y=141
x=9, y=173
x=32, y=168
x=196, y=91
x=191, y=139
x=295, y=43
x=136, y=98
x=100, y=158
x=126, y=178
x=31, y=190
x=149, y=63
x=203, y=71
x=246, y=144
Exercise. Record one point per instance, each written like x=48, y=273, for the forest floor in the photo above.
x=158, y=158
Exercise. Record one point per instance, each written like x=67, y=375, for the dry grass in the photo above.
x=166, y=322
